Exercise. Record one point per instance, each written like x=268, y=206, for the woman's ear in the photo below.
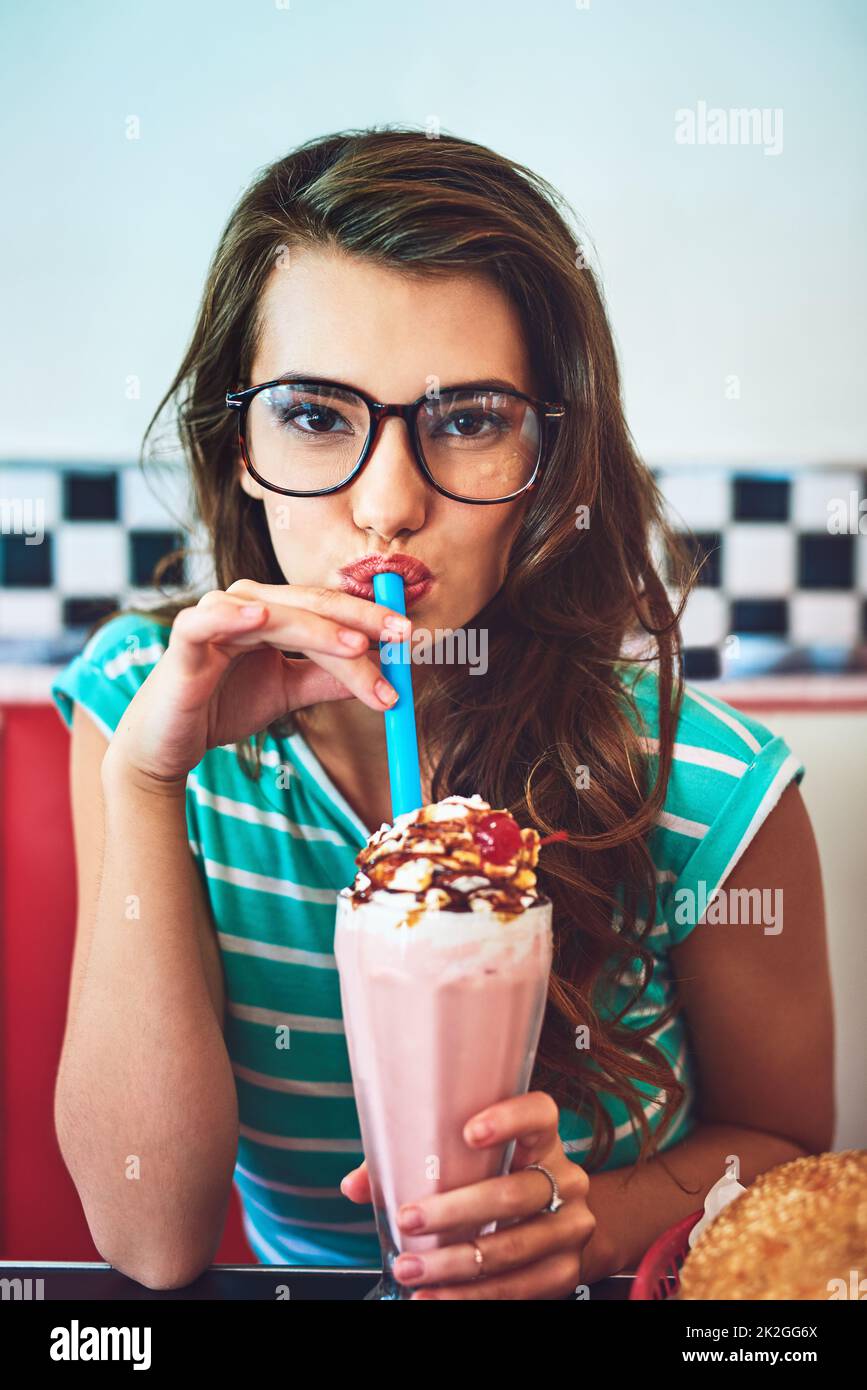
x=247, y=481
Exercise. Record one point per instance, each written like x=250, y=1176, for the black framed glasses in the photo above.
x=305, y=437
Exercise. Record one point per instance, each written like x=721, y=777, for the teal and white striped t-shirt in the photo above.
x=272, y=855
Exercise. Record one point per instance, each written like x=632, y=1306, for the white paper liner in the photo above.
x=725, y=1190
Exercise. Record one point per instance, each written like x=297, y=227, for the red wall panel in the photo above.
x=40, y=1214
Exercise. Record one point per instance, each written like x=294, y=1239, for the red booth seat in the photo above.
x=40, y=1215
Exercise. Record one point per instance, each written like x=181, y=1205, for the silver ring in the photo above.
x=556, y=1200
x=479, y=1259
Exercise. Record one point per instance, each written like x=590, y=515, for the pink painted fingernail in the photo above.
x=411, y=1219
x=408, y=1267
x=480, y=1130
x=396, y=623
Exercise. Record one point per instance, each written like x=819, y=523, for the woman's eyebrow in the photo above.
x=499, y=383
x=478, y=384
x=335, y=388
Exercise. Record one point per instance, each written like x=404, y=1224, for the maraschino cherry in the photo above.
x=498, y=837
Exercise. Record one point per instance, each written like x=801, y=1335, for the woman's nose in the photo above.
x=390, y=493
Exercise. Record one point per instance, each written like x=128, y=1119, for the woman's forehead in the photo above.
x=345, y=317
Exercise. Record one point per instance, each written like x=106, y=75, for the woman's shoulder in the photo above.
x=704, y=720
x=114, y=662
x=727, y=774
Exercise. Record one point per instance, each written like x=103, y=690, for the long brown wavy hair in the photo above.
x=574, y=597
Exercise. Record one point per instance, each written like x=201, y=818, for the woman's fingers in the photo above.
x=553, y=1278
x=346, y=610
x=239, y=621
x=314, y=618
x=298, y=629
x=307, y=683
x=531, y=1118
x=511, y=1197
x=356, y=1185
x=526, y=1243
x=360, y=674
x=215, y=620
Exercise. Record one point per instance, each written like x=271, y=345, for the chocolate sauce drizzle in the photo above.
x=502, y=893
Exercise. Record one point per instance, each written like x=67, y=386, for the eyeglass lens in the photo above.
x=310, y=436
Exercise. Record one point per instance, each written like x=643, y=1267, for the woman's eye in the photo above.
x=470, y=423
x=312, y=419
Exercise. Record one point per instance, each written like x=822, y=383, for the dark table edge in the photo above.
x=373, y=1273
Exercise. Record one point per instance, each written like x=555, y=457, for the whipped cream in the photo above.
x=436, y=857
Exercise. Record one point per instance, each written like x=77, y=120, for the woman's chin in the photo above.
x=428, y=617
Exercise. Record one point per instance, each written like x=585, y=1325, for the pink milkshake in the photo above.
x=443, y=945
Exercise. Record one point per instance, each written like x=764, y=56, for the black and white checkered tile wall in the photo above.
x=784, y=586
x=77, y=542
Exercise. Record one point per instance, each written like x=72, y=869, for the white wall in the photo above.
x=718, y=261
x=833, y=748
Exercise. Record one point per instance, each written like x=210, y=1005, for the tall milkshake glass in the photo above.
x=443, y=1009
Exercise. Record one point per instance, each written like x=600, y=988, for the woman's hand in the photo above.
x=223, y=676
x=540, y=1254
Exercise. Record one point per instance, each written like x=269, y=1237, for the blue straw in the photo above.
x=400, y=734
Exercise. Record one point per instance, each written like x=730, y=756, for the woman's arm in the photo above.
x=759, y=1011
x=145, y=1102
x=631, y=1214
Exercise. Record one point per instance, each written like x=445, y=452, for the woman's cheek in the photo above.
x=297, y=541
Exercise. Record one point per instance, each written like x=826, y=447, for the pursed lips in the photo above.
x=357, y=578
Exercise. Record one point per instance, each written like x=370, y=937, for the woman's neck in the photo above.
x=348, y=738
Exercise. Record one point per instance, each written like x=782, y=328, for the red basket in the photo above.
x=658, y=1275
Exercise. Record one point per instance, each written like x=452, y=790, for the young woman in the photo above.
x=228, y=755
